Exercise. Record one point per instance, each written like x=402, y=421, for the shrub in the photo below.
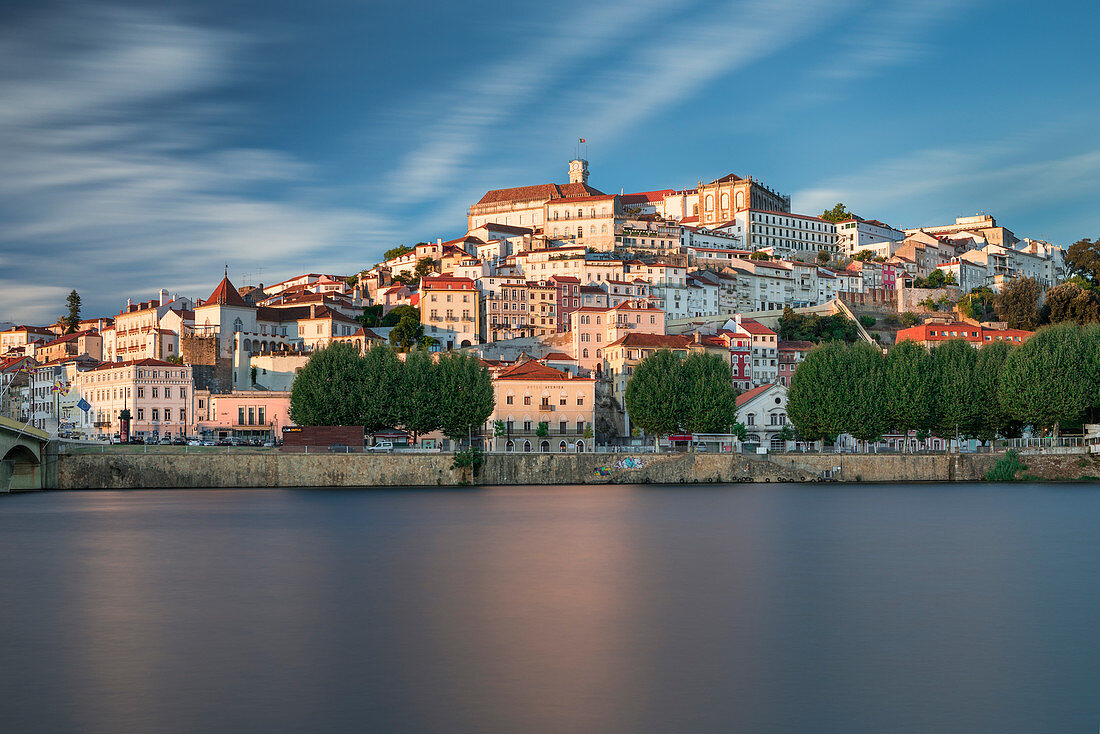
x=1006, y=468
x=867, y=321
x=891, y=319
x=909, y=319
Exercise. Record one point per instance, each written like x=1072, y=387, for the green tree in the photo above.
x=861, y=381
x=813, y=405
x=956, y=408
x=1018, y=303
x=72, y=318
x=1042, y=383
x=371, y=316
x=424, y=266
x=465, y=394
x=864, y=255
x=380, y=390
x=837, y=214
x=397, y=252
x=822, y=257
x=908, y=389
x=416, y=404
x=993, y=419
x=1083, y=259
x=329, y=389
x=654, y=393
x=406, y=334
x=393, y=318
x=978, y=304
x=709, y=400
x=1070, y=302
x=760, y=255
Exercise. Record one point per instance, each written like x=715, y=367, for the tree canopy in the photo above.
x=1083, y=259
x=1070, y=301
x=837, y=214
x=816, y=328
x=1018, y=303
x=1050, y=381
x=654, y=394
x=72, y=317
x=464, y=393
x=397, y=252
x=393, y=318
x=339, y=386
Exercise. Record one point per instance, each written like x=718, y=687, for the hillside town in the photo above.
x=561, y=290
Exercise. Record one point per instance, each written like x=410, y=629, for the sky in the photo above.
x=150, y=145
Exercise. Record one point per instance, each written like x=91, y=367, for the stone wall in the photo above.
x=892, y=467
x=210, y=370
x=273, y=469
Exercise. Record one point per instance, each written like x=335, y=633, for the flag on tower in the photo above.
x=581, y=139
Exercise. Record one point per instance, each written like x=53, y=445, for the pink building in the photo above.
x=568, y=298
x=247, y=414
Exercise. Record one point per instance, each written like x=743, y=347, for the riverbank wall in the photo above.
x=275, y=469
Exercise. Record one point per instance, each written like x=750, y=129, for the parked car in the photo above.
x=382, y=446
x=179, y=441
x=194, y=442
x=209, y=442
x=137, y=439
x=165, y=441
x=339, y=448
x=223, y=442
x=269, y=444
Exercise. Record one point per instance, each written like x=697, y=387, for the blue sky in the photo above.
x=144, y=145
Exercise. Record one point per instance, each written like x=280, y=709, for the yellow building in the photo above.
x=529, y=394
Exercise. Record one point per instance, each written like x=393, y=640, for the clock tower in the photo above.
x=578, y=171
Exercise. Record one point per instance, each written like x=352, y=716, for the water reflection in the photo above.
x=603, y=609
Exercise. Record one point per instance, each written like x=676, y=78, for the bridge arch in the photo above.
x=20, y=469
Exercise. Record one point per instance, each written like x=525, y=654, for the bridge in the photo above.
x=23, y=456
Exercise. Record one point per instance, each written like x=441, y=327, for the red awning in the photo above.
x=679, y=438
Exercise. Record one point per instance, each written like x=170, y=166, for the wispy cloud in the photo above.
x=1007, y=178
x=115, y=177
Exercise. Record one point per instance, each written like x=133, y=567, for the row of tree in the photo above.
x=668, y=394
x=424, y=392
x=1050, y=381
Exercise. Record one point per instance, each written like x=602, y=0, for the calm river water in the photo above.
x=543, y=610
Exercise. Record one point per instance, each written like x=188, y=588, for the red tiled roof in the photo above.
x=545, y=192
x=750, y=394
x=650, y=196
x=137, y=362
x=755, y=327
x=444, y=282
x=533, y=370
x=227, y=295
x=582, y=199
x=661, y=341
x=727, y=178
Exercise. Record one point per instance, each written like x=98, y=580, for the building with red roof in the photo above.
x=930, y=334
x=530, y=393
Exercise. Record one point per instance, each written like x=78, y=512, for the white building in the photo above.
x=790, y=235
x=853, y=233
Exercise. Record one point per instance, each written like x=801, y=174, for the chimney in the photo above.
x=439, y=241
x=129, y=303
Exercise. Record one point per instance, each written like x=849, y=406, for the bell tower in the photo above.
x=578, y=171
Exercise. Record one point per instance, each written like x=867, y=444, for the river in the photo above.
x=553, y=610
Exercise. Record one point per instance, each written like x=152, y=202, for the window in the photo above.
x=154, y=392
x=526, y=399
x=240, y=416
x=141, y=414
x=156, y=414
x=508, y=400
x=561, y=400
x=527, y=425
x=141, y=392
x=580, y=400
x=167, y=414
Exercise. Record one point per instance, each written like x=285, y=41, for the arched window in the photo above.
x=544, y=447
x=584, y=354
x=580, y=231
x=592, y=229
x=510, y=446
x=592, y=212
x=725, y=201
x=740, y=199
x=709, y=206
x=580, y=213
x=527, y=446
x=555, y=229
x=580, y=447
x=603, y=229
x=562, y=447
x=695, y=209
